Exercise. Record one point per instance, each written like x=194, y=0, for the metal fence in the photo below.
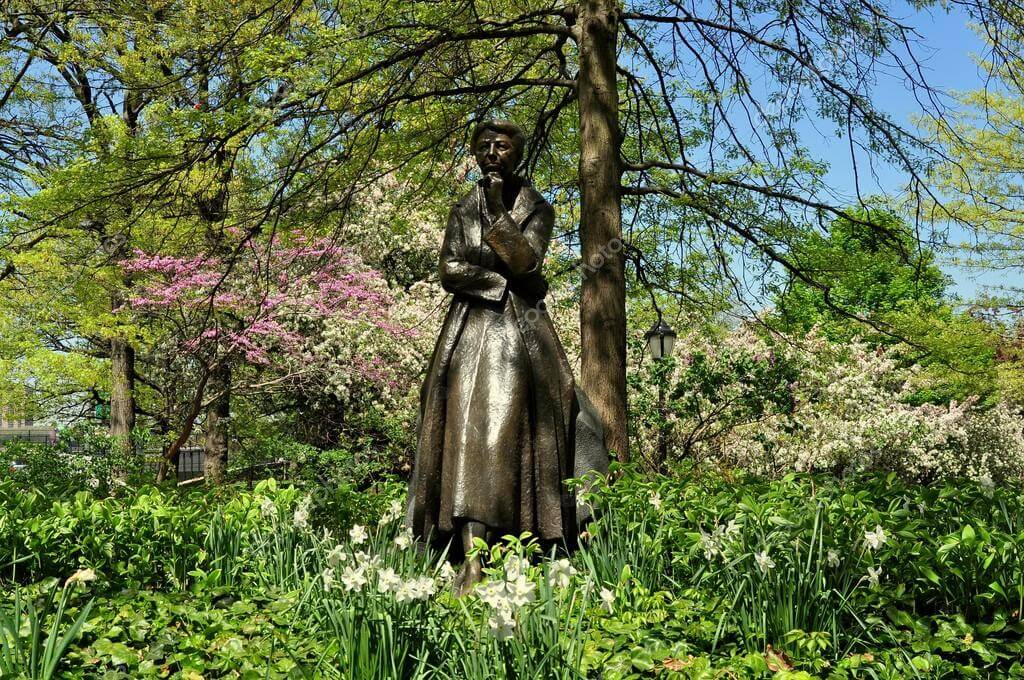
x=190, y=463
x=29, y=437
x=191, y=459
x=69, y=446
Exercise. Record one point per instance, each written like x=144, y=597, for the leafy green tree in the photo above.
x=860, y=271
x=978, y=187
x=877, y=283
x=157, y=124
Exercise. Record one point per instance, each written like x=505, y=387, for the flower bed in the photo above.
x=683, y=577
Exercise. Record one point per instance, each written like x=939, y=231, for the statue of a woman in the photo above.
x=500, y=421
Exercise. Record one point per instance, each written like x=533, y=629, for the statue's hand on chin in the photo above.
x=493, y=187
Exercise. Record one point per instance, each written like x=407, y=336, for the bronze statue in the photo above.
x=501, y=424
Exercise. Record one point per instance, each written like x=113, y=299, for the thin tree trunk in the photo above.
x=163, y=428
x=122, y=393
x=215, y=445
x=187, y=426
x=603, y=304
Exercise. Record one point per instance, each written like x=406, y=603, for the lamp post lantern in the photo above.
x=661, y=340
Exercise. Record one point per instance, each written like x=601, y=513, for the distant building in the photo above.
x=15, y=424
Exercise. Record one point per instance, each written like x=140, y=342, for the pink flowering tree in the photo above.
x=249, y=319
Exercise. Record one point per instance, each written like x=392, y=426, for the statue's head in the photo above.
x=498, y=146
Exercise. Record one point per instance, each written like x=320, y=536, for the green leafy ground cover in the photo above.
x=689, y=577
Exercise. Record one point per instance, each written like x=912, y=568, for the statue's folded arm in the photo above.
x=459, y=276
x=522, y=251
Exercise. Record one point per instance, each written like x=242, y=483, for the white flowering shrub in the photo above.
x=805, y=404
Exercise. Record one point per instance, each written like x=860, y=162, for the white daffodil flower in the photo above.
x=420, y=588
x=502, y=623
x=447, y=572
x=358, y=534
x=353, y=579
x=388, y=581
x=301, y=517
x=521, y=590
x=336, y=556
x=80, y=576
x=607, y=599
x=764, y=562
x=561, y=573
x=515, y=566
x=875, y=539
x=404, y=539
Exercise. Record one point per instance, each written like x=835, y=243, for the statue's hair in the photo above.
x=505, y=127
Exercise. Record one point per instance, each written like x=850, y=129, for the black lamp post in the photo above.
x=661, y=340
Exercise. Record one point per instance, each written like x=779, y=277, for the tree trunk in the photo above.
x=215, y=446
x=172, y=454
x=122, y=393
x=603, y=304
x=122, y=360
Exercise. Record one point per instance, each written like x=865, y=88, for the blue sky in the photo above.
x=945, y=49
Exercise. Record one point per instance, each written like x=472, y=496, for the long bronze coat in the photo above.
x=500, y=424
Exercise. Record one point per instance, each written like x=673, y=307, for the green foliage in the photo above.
x=958, y=354
x=96, y=465
x=24, y=651
x=877, y=270
x=151, y=634
x=46, y=537
x=337, y=480
x=710, y=388
x=871, y=267
x=787, y=566
x=685, y=577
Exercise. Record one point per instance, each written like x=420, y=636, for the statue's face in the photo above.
x=495, y=152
